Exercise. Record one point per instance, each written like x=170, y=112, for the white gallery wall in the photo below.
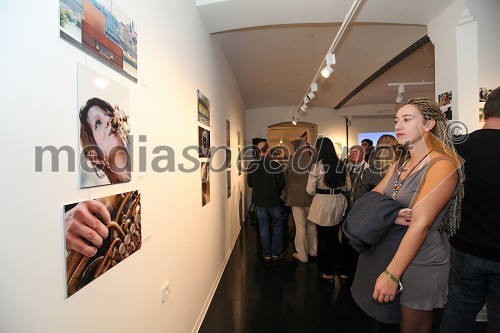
x=183, y=242
x=465, y=38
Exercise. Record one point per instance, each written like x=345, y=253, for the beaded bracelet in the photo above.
x=395, y=279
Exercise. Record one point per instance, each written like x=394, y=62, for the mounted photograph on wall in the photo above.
x=228, y=183
x=104, y=129
x=448, y=113
x=118, y=236
x=228, y=133
x=445, y=98
x=228, y=158
x=481, y=115
x=239, y=138
x=102, y=30
x=203, y=109
x=483, y=94
x=238, y=161
x=203, y=142
x=205, y=183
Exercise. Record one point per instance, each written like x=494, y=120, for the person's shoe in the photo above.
x=267, y=258
x=279, y=256
x=345, y=279
x=296, y=256
x=327, y=278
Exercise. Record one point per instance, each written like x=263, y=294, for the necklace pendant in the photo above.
x=393, y=195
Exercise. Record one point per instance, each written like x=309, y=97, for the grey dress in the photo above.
x=426, y=278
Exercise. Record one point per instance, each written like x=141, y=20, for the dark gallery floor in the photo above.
x=254, y=296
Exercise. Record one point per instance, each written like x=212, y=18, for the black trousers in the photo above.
x=328, y=249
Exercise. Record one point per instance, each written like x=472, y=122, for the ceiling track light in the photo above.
x=314, y=87
x=330, y=59
x=304, y=108
x=295, y=120
x=311, y=96
x=326, y=72
x=326, y=69
x=402, y=88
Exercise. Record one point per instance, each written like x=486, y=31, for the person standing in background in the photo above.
x=475, y=248
x=381, y=160
x=368, y=146
x=297, y=173
x=326, y=180
x=265, y=178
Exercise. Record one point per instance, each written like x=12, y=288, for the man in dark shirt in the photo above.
x=267, y=181
x=368, y=146
x=475, y=248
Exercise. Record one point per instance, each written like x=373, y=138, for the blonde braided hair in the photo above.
x=441, y=142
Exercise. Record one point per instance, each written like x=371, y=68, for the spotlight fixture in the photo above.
x=326, y=72
x=326, y=67
x=401, y=88
x=314, y=87
x=295, y=120
x=401, y=94
x=330, y=59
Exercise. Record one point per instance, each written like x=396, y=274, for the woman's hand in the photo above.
x=385, y=289
x=85, y=231
x=404, y=217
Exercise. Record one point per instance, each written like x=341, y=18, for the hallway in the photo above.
x=281, y=296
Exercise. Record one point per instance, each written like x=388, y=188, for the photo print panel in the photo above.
x=483, y=94
x=119, y=218
x=103, y=122
x=238, y=161
x=203, y=142
x=205, y=183
x=102, y=30
x=445, y=98
x=203, y=109
x=228, y=183
x=228, y=158
x=228, y=133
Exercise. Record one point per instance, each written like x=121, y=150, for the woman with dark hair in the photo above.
x=103, y=135
x=326, y=179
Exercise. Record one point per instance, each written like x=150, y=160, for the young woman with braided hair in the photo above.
x=427, y=179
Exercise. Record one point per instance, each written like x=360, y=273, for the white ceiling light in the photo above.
x=326, y=72
x=402, y=90
x=314, y=87
x=325, y=69
x=401, y=94
x=330, y=59
x=304, y=108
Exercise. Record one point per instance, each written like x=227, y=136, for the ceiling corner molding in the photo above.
x=401, y=56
